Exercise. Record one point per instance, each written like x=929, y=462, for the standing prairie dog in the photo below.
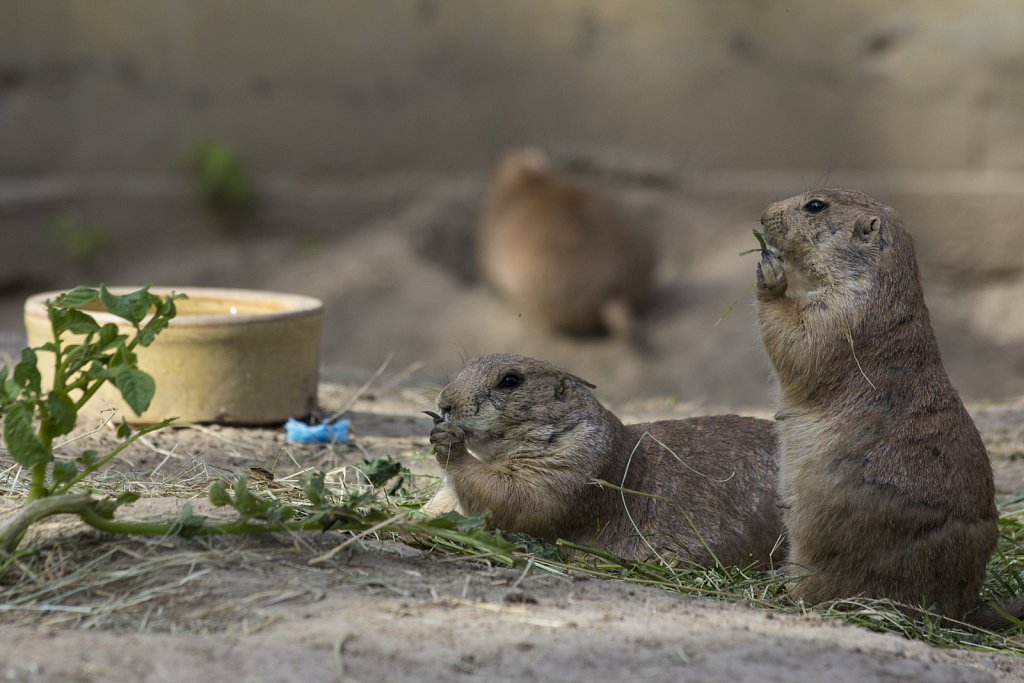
x=526, y=441
x=560, y=253
x=885, y=484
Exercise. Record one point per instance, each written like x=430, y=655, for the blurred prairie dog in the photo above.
x=525, y=441
x=560, y=253
x=886, y=487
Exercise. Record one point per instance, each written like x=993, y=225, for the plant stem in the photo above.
x=114, y=526
x=12, y=531
x=86, y=471
x=84, y=505
x=596, y=552
x=88, y=392
x=37, y=487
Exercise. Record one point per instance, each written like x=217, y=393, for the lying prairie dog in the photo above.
x=525, y=441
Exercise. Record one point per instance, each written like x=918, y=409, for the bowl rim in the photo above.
x=296, y=305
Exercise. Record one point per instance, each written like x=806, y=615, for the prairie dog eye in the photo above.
x=815, y=206
x=510, y=380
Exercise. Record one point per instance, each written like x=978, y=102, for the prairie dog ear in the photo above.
x=580, y=380
x=867, y=229
x=568, y=380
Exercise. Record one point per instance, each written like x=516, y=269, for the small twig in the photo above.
x=625, y=505
x=46, y=608
x=355, y=538
x=526, y=570
x=760, y=239
x=168, y=454
x=63, y=487
x=17, y=476
x=849, y=338
x=209, y=432
x=403, y=374
x=680, y=460
x=733, y=305
x=106, y=421
x=339, y=659
x=362, y=390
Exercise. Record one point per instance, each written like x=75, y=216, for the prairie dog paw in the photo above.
x=771, y=277
x=447, y=439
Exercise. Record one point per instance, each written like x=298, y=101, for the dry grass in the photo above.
x=87, y=581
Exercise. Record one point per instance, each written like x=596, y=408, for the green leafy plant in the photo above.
x=79, y=240
x=220, y=178
x=96, y=355
x=86, y=355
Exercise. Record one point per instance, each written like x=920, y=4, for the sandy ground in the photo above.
x=256, y=609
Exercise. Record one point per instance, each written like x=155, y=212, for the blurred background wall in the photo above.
x=354, y=87
x=368, y=129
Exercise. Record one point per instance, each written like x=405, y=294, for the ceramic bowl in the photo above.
x=231, y=356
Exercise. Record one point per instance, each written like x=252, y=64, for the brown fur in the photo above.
x=885, y=483
x=540, y=445
x=560, y=253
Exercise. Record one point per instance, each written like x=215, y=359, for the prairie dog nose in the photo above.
x=444, y=406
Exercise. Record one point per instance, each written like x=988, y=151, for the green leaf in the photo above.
x=133, y=306
x=219, y=495
x=247, y=503
x=126, y=498
x=62, y=413
x=313, y=487
x=98, y=371
x=148, y=333
x=78, y=297
x=26, y=374
x=471, y=523
x=168, y=309
x=87, y=458
x=136, y=387
x=9, y=389
x=189, y=522
x=109, y=336
x=22, y=441
x=123, y=430
x=106, y=507
x=379, y=470
x=75, y=356
x=455, y=521
x=122, y=356
x=165, y=311
x=63, y=471
x=12, y=390
x=72, y=320
x=276, y=512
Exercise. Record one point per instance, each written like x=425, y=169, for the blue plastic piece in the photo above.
x=300, y=432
